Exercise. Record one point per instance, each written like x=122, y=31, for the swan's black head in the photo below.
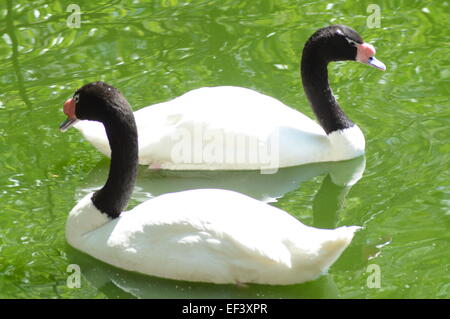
x=333, y=43
x=96, y=101
x=340, y=43
x=101, y=102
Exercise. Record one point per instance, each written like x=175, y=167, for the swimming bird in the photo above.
x=235, y=128
x=205, y=235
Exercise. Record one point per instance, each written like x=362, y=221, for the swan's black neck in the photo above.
x=315, y=83
x=121, y=130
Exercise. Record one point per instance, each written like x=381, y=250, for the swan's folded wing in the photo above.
x=175, y=236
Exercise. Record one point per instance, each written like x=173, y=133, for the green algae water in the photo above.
x=157, y=50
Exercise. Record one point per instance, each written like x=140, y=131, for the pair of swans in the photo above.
x=212, y=235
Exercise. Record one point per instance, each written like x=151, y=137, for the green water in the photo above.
x=157, y=50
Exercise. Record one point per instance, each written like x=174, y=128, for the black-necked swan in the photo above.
x=234, y=128
x=205, y=235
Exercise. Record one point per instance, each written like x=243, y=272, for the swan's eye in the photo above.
x=352, y=42
x=76, y=98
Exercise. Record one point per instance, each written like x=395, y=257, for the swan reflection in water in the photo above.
x=264, y=187
x=329, y=199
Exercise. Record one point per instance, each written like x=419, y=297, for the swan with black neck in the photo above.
x=235, y=128
x=205, y=235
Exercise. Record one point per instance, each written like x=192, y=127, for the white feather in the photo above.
x=230, y=128
x=182, y=236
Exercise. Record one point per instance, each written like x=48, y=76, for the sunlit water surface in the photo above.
x=156, y=50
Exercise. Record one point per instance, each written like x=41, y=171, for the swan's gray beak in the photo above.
x=67, y=124
x=365, y=54
x=372, y=61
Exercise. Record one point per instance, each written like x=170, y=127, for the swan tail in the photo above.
x=333, y=247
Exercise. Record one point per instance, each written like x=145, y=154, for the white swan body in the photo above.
x=212, y=235
x=181, y=236
x=230, y=128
